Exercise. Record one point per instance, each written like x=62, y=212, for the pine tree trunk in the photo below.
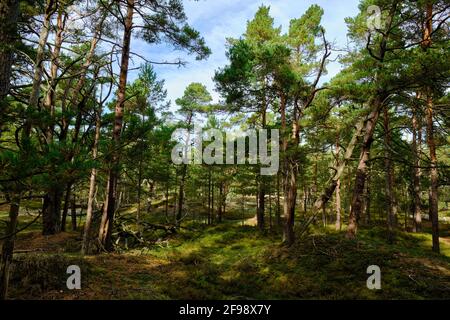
x=73, y=212
x=181, y=194
x=139, y=195
x=290, y=182
x=262, y=188
x=389, y=178
x=221, y=203
x=8, y=245
x=361, y=172
x=49, y=101
x=9, y=12
x=40, y=56
x=105, y=236
x=85, y=247
x=367, y=198
x=417, y=212
x=278, y=212
x=209, y=197
x=51, y=212
x=330, y=189
x=338, y=188
x=167, y=202
x=52, y=200
x=261, y=204
x=434, y=177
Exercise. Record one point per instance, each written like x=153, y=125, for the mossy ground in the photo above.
x=235, y=261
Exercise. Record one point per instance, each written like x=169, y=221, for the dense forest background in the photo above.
x=87, y=177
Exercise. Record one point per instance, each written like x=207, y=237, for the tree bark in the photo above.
x=261, y=204
x=290, y=169
x=40, y=55
x=434, y=177
x=105, y=236
x=338, y=188
x=221, y=203
x=278, y=212
x=376, y=103
x=51, y=210
x=9, y=12
x=85, y=247
x=361, y=172
x=181, y=194
x=8, y=245
x=367, y=198
x=66, y=207
x=262, y=183
x=417, y=211
x=338, y=171
x=73, y=212
x=49, y=101
x=389, y=177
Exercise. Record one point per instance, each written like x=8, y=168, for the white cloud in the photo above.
x=219, y=19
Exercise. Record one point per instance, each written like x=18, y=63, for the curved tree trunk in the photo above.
x=361, y=172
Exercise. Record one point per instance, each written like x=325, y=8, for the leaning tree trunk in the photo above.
x=361, y=172
x=338, y=171
x=106, y=228
x=376, y=103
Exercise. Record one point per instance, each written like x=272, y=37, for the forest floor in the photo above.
x=235, y=261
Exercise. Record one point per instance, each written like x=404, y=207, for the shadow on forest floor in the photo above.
x=231, y=261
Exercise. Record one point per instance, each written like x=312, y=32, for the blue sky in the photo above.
x=219, y=19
